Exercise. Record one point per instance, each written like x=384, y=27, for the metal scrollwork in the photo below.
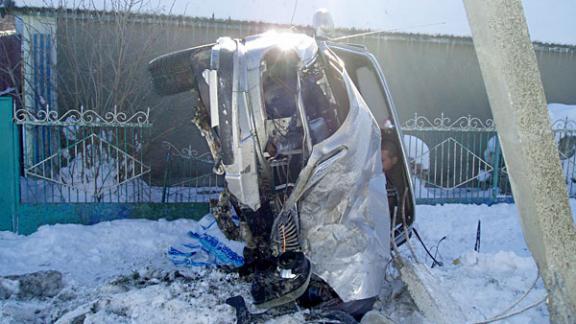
x=564, y=125
x=469, y=123
x=82, y=117
x=188, y=153
x=464, y=123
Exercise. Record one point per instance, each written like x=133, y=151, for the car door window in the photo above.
x=369, y=86
x=367, y=80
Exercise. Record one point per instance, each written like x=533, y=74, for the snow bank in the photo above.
x=484, y=283
x=90, y=257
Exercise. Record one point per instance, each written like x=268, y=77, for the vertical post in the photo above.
x=516, y=95
x=496, y=172
x=9, y=170
x=38, y=59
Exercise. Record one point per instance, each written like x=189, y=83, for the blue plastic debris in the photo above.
x=207, y=251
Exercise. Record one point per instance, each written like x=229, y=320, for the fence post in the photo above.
x=9, y=167
x=496, y=171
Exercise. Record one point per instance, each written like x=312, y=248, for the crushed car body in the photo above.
x=295, y=125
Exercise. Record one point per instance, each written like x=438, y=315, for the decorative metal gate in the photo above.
x=85, y=167
x=83, y=157
x=460, y=161
x=82, y=166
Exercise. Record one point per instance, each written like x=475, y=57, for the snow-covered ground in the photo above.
x=485, y=283
x=120, y=272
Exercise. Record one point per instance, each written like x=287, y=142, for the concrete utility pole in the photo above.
x=516, y=95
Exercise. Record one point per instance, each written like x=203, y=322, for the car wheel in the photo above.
x=173, y=73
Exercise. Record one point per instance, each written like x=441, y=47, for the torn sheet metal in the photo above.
x=344, y=218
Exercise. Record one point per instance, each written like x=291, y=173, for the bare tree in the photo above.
x=102, y=54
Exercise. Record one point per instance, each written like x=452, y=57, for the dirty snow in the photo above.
x=119, y=270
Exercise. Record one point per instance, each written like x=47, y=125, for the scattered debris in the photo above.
x=31, y=285
x=432, y=300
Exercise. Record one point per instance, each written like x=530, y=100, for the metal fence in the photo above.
x=82, y=156
x=565, y=138
x=460, y=161
x=86, y=167
x=188, y=176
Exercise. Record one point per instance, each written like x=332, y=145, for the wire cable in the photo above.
x=383, y=31
x=505, y=313
x=504, y=316
x=435, y=262
x=293, y=12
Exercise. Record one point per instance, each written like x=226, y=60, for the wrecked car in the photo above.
x=295, y=124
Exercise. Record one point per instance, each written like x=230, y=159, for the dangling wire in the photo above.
x=435, y=262
x=405, y=225
x=508, y=311
x=437, y=247
x=384, y=31
x=293, y=13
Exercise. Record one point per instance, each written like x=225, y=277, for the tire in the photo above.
x=174, y=72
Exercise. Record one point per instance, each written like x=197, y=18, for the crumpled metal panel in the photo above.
x=340, y=193
x=238, y=148
x=343, y=207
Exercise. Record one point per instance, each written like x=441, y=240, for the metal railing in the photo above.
x=82, y=156
x=565, y=137
x=460, y=161
x=188, y=176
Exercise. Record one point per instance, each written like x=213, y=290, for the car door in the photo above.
x=369, y=79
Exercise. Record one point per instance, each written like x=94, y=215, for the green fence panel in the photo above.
x=9, y=173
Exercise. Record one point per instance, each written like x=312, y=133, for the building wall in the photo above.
x=427, y=75
x=558, y=70
x=431, y=76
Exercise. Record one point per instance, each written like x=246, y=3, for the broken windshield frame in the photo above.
x=323, y=95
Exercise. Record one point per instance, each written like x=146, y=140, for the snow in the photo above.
x=118, y=269
x=90, y=255
x=485, y=283
x=559, y=111
x=418, y=152
x=91, y=259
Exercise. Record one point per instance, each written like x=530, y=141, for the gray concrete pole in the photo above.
x=518, y=103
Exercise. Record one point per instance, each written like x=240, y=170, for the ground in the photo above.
x=119, y=272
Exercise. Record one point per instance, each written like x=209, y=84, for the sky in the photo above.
x=549, y=21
